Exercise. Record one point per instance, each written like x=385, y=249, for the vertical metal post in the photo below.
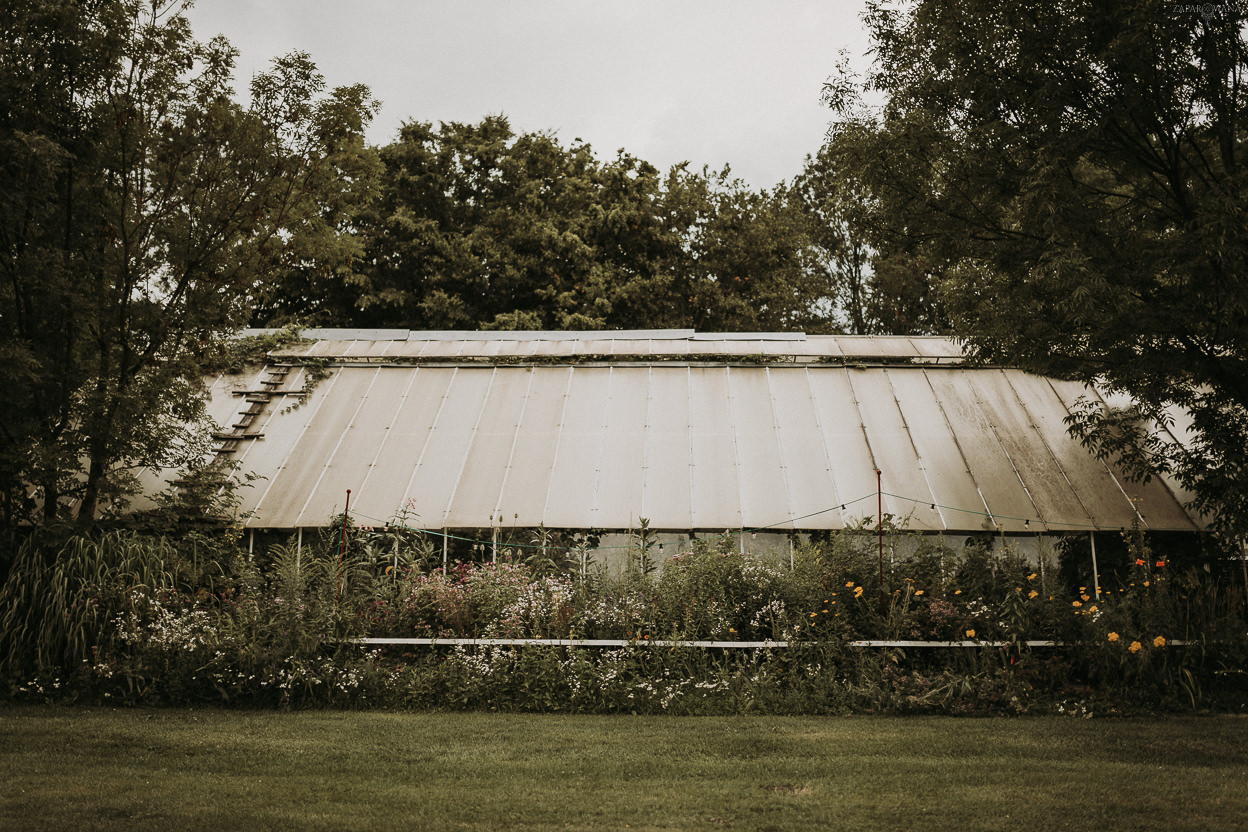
x=299, y=548
x=879, y=521
x=1243, y=560
x=346, y=513
x=444, y=539
x=494, y=545
x=342, y=545
x=251, y=544
x=1096, y=577
x=1040, y=558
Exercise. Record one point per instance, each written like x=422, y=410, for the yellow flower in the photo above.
x=823, y=610
x=970, y=634
x=1135, y=647
x=1160, y=641
x=1146, y=583
x=1032, y=576
x=857, y=592
x=957, y=592
x=813, y=614
x=1092, y=608
x=1076, y=603
x=1112, y=636
x=1032, y=594
x=1086, y=597
x=918, y=592
x=849, y=583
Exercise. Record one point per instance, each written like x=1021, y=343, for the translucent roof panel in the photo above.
x=580, y=442
x=687, y=446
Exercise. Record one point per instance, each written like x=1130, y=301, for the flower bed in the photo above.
x=159, y=627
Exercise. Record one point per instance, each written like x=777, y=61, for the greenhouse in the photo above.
x=763, y=433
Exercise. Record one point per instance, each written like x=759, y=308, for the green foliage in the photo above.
x=1072, y=176
x=143, y=208
x=147, y=619
x=640, y=557
x=204, y=500
x=724, y=596
x=251, y=350
x=874, y=285
x=477, y=227
x=59, y=603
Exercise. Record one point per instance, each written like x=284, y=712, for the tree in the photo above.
x=480, y=228
x=1079, y=167
x=744, y=262
x=839, y=248
x=142, y=210
x=876, y=285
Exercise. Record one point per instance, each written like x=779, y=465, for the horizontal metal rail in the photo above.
x=649, y=642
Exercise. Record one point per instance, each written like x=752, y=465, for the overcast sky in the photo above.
x=705, y=81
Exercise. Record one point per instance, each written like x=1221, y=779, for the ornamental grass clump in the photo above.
x=59, y=602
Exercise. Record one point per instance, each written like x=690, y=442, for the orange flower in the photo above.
x=1112, y=636
x=1135, y=647
x=1076, y=603
x=970, y=634
x=1032, y=594
x=857, y=592
x=1160, y=641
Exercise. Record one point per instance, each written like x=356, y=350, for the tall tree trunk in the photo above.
x=51, y=500
x=96, y=472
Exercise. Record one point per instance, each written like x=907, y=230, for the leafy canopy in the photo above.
x=477, y=227
x=1077, y=171
x=142, y=209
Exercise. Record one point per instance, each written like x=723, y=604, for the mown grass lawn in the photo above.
x=96, y=768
